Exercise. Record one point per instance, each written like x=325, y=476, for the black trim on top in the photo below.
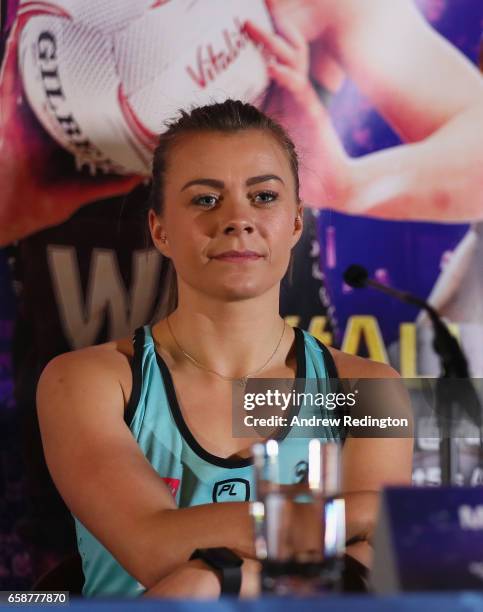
x=183, y=428
x=300, y=375
x=137, y=376
x=328, y=360
x=333, y=374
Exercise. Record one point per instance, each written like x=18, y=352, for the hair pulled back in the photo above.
x=226, y=117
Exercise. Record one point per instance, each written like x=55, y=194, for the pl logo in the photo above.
x=233, y=489
x=301, y=472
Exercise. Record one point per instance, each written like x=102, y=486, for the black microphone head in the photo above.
x=356, y=276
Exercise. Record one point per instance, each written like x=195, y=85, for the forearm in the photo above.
x=172, y=536
x=195, y=579
x=361, y=509
x=361, y=515
x=438, y=179
x=229, y=525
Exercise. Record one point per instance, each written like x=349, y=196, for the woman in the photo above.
x=131, y=433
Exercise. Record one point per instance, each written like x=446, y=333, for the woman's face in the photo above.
x=230, y=213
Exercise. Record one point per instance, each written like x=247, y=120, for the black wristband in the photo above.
x=227, y=563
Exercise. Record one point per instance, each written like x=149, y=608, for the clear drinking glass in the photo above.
x=299, y=520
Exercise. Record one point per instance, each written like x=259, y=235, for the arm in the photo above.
x=404, y=67
x=94, y=461
x=438, y=177
x=369, y=464
x=195, y=579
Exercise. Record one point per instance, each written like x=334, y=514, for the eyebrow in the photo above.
x=220, y=184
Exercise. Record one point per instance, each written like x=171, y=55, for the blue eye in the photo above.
x=206, y=201
x=265, y=197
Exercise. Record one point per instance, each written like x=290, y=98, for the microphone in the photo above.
x=357, y=277
x=453, y=361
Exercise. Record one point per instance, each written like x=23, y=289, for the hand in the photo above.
x=286, y=53
x=40, y=184
x=295, y=104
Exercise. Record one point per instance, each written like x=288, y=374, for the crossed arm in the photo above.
x=94, y=461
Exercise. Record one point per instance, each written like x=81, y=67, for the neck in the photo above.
x=232, y=338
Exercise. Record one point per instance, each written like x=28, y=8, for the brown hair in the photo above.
x=227, y=117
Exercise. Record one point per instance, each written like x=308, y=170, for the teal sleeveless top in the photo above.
x=193, y=475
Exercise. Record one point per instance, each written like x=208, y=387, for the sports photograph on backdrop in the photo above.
x=384, y=102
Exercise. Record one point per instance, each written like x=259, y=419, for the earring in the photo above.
x=164, y=238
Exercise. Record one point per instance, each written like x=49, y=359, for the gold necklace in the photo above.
x=242, y=381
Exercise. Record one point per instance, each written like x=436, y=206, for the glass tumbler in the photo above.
x=298, y=517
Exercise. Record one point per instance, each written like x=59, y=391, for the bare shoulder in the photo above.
x=352, y=366
x=103, y=365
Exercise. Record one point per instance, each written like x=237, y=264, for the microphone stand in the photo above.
x=454, y=366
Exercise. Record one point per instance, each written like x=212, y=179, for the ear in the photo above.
x=158, y=233
x=298, y=224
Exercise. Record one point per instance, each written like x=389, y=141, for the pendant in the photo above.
x=242, y=381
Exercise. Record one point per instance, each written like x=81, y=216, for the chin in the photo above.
x=234, y=288
x=244, y=289
x=236, y=293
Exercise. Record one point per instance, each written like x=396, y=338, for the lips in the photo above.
x=238, y=256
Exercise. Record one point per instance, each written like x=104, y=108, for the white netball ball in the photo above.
x=102, y=76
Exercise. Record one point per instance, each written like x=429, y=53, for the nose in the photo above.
x=238, y=227
x=236, y=217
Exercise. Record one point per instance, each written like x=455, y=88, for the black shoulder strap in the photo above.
x=328, y=360
x=137, y=376
x=333, y=374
